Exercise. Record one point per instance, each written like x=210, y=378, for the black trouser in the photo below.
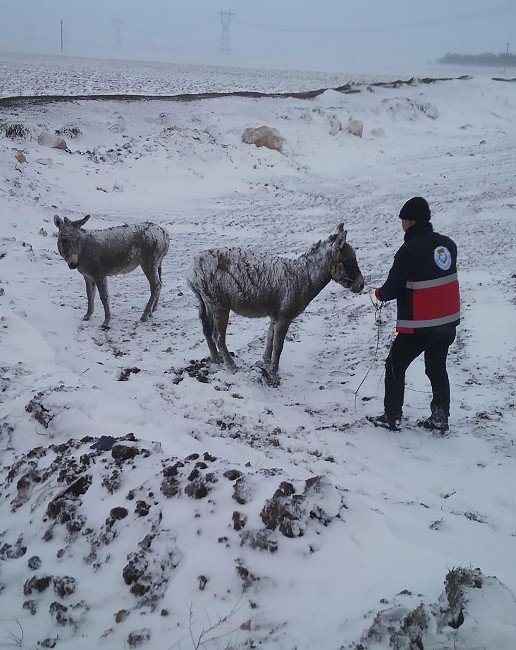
x=434, y=342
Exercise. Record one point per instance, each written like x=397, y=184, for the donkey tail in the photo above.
x=204, y=313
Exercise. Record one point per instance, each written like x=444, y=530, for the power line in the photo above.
x=465, y=16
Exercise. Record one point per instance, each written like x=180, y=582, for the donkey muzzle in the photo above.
x=341, y=276
x=357, y=285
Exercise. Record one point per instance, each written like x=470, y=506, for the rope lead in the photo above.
x=378, y=306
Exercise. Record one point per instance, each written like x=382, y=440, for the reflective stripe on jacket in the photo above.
x=434, y=302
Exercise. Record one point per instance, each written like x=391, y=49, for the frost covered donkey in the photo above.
x=99, y=253
x=257, y=285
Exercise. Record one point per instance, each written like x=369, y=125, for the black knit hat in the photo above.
x=416, y=209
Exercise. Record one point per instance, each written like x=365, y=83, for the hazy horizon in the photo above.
x=294, y=34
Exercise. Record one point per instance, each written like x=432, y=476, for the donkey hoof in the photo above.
x=144, y=317
x=104, y=327
x=270, y=377
x=86, y=317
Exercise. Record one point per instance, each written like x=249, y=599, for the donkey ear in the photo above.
x=58, y=221
x=80, y=222
x=341, y=238
x=340, y=227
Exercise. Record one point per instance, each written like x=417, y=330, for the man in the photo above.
x=423, y=279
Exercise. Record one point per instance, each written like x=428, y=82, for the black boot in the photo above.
x=385, y=421
x=438, y=421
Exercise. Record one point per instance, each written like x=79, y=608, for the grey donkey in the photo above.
x=97, y=254
x=257, y=285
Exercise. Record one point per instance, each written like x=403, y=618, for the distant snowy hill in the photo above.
x=150, y=499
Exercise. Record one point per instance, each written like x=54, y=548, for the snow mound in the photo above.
x=473, y=612
x=117, y=512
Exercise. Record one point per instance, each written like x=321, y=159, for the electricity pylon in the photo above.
x=225, y=41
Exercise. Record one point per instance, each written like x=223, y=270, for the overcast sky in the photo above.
x=326, y=35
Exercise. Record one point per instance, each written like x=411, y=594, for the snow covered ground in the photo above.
x=44, y=75
x=233, y=548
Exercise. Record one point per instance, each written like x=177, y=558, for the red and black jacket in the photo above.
x=423, y=279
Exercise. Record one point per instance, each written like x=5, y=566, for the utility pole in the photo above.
x=506, y=57
x=61, y=37
x=117, y=26
x=225, y=41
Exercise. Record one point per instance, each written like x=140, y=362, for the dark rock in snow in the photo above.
x=121, y=615
x=112, y=481
x=39, y=411
x=138, y=637
x=239, y=520
x=118, y=513
x=248, y=578
x=283, y=512
x=148, y=571
x=232, y=474
x=36, y=584
x=126, y=373
x=64, y=586
x=170, y=486
x=58, y=611
x=124, y=452
x=290, y=513
x=259, y=539
x=242, y=491
x=13, y=551
x=64, y=511
x=30, y=606
x=142, y=509
x=104, y=443
x=198, y=488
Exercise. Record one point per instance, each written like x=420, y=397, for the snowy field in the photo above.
x=54, y=75
x=44, y=75
x=240, y=515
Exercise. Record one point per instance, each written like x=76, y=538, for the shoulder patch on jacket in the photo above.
x=442, y=257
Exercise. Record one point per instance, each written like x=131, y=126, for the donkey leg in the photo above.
x=153, y=276
x=207, y=328
x=104, y=296
x=280, y=331
x=220, y=325
x=90, y=293
x=161, y=285
x=206, y=318
x=268, y=346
